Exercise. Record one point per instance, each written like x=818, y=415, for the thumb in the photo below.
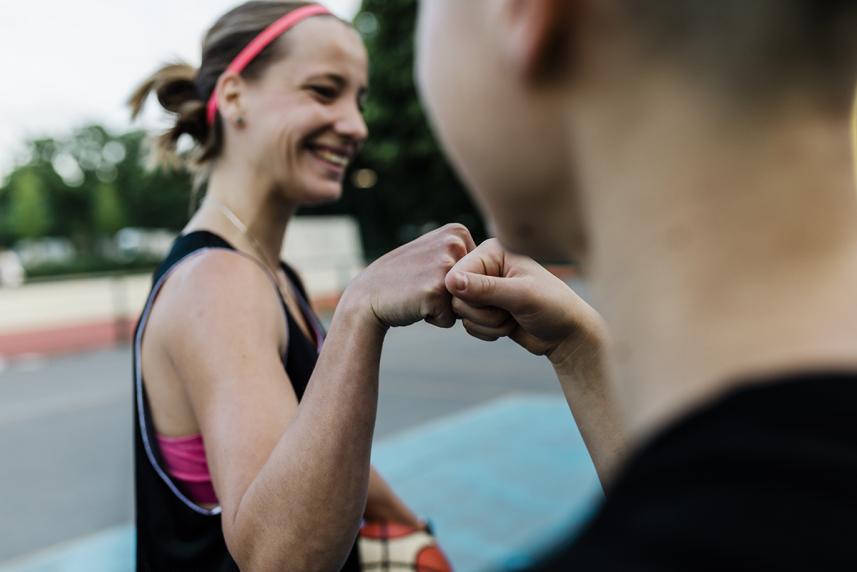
x=481, y=290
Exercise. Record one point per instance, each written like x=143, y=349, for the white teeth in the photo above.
x=332, y=157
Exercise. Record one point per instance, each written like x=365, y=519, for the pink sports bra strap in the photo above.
x=185, y=461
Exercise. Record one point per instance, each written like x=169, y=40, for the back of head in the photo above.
x=754, y=50
x=748, y=57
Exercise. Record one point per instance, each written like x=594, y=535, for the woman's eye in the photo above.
x=324, y=92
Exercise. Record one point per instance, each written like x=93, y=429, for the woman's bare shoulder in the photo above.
x=215, y=297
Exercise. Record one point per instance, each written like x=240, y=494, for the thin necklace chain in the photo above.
x=230, y=215
x=284, y=291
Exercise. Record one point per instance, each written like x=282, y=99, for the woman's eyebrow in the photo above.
x=329, y=76
x=338, y=79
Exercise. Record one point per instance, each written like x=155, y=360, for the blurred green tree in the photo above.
x=88, y=184
x=29, y=215
x=91, y=184
x=108, y=213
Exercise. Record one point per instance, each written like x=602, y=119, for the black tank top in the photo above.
x=174, y=534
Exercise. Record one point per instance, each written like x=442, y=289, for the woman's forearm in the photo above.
x=303, y=510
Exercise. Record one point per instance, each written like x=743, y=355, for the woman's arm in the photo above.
x=292, y=479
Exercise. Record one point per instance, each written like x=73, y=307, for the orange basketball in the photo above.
x=393, y=547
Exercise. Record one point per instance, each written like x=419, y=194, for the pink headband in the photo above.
x=259, y=43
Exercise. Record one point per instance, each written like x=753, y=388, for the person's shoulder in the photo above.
x=221, y=290
x=770, y=461
x=217, y=272
x=218, y=265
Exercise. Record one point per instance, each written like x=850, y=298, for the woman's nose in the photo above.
x=352, y=125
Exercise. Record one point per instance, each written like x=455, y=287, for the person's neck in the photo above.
x=257, y=205
x=721, y=255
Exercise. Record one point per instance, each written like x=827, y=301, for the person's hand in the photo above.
x=499, y=294
x=407, y=284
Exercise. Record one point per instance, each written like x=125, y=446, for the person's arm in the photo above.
x=579, y=366
x=498, y=294
x=292, y=478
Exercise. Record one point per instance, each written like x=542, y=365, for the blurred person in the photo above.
x=694, y=157
x=252, y=439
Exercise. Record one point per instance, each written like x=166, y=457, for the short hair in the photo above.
x=754, y=48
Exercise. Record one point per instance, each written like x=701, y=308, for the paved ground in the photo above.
x=65, y=424
x=503, y=483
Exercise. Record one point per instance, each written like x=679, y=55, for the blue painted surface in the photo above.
x=107, y=551
x=501, y=483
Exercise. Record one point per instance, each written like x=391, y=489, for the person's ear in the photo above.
x=539, y=35
x=230, y=89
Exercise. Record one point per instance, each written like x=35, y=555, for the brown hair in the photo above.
x=756, y=47
x=183, y=90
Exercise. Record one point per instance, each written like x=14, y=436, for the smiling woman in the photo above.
x=252, y=442
x=312, y=74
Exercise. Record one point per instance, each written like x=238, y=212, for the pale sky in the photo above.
x=66, y=63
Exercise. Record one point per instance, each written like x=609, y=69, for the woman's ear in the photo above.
x=539, y=35
x=230, y=88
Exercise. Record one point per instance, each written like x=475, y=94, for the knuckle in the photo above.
x=508, y=328
x=496, y=319
x=436, y=294
x=450, y=239
x=455, y=245
x=456, y=227
x=426, y=294
x=429, y=293
x=447, y=262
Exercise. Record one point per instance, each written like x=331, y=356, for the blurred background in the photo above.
x=83, y=222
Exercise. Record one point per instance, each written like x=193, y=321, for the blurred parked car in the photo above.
x=144, y=242
x=48, y=250
x=11, y=270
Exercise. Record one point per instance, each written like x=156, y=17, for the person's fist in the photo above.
x=407, y=284
x=499, y=294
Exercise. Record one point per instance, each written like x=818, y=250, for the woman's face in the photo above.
x=303, y=120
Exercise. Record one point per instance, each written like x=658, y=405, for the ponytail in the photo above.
x=174, y=85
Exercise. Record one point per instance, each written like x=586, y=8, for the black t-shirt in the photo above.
x=762, y=479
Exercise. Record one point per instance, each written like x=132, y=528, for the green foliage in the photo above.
x=29, y=215
x=108, y=214
x=90, y=184
x=92, y=264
